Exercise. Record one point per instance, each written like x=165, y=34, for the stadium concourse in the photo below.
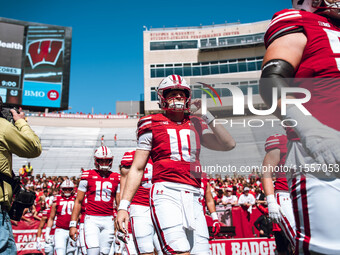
x=68, y=144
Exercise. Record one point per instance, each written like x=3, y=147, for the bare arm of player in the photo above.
x=35, y=216
x=50, y=223
x=219, y=140
x=132, y=184
x=270, y=161
x=209, y=200
x=212, y=209
x=41, y=225
x=52, y=215
x=123, y=174
x=289, y=48
x=75, y=214
x=118, y=195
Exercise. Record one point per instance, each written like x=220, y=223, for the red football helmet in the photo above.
x=173, y=82
x=67, y=188
x=330, y=8
x=103, y=158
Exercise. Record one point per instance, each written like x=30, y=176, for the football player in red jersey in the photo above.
x=143, y=231
x=304, y=43
x=173, y=140
x=49, y=244
x=208, y=201
x=81, y=237
x=62, y=209
x=100, y=186
x=280, y=206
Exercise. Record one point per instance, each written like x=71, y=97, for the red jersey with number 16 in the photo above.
x=64, y=207
x=175, y=148
x=143, y=193
x=101, y=192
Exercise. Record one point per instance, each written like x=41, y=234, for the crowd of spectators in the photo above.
x=244, y=190
x=45, y=188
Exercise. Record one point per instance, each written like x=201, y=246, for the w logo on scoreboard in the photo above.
x=44, y=51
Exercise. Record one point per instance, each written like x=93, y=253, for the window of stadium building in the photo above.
x=174, y=45
x=210, y=42
x=207, y=68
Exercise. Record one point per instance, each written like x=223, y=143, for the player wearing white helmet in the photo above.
x=171, y=102
x=101, y=188
x=303, y=43
x=173, y=140
x=62, y=209
x=330, y=8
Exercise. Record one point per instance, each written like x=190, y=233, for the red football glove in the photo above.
x=216, y=227
x=216, y=224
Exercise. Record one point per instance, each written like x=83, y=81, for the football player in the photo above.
x=100, y=186
x=62, y=209
x=208, y=201
x=280, y=207
x=173, y=140
x=49, y=244
x=304, y=43
x=143, y=231
x=81, y=237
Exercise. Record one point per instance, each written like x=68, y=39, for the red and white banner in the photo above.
x=243, y=246
x=25, y=236
x=84, y=116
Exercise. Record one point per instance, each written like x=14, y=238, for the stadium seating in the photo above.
x=69, y=145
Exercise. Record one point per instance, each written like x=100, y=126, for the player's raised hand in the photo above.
x=195, y=106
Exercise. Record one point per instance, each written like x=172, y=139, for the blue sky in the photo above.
x=107, y=38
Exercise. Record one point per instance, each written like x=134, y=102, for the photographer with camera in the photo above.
x=16, y=137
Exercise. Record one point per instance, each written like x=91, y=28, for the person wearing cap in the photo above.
x=220, y=197
x=246, y=200
x=229, y=199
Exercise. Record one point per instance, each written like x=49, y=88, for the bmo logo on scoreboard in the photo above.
x=53, y=95
x=41, y=94
x=32, y=93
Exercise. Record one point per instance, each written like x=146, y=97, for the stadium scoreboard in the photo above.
x=34, y=65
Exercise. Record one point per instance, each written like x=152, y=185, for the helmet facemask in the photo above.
x=175, y=103
x=103, y=164
x=67, y=188
x=329, y=8
x=67, y=192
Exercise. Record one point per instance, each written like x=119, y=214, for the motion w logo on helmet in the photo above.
x=44, y=52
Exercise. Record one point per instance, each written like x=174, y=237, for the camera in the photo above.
x=6, y=113
x=23, y=199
